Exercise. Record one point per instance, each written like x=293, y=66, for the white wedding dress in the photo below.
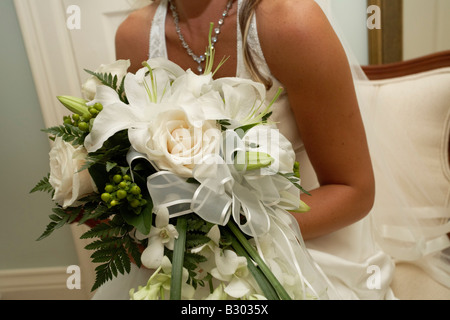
x=352, y=263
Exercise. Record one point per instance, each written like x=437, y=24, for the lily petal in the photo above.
x=105, y=96
x=109, y=121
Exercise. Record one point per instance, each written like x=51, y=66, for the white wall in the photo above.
x=351, y=16
x=24, y=161
x=426, y=27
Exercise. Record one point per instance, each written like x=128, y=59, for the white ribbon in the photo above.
x=258, y=203
x=223, y=191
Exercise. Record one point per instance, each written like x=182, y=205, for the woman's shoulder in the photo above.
x=133, y=33
x=289, y=20
x=302, y=35
x=137, y=19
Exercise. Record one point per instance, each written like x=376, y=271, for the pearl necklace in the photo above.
x=199, y=59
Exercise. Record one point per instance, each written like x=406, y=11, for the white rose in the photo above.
x=69, y=183
x=119, y=68
x=176, y=144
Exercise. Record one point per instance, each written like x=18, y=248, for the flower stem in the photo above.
x=263, y=282
x=178, y=259
x=259, y=261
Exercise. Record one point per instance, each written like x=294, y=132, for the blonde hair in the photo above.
x=245, y=17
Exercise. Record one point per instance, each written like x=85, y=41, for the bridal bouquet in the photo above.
x=185, y=175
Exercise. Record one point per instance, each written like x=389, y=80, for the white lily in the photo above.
x=161, y=235
x=242, y=98
x=161, y=99
x=144, y=92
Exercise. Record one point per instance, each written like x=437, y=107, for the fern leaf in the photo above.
x=99, y=231
x=107, y=79
x=59, y=218
x=43, y=185
x=195, y=240
x=114, y=260
x=68, y=133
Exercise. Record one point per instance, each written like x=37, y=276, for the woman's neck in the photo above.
x=195, y=9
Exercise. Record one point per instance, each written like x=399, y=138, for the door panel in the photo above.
x=93, y=42
x=58, y=56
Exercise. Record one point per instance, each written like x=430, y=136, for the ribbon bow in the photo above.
x=222, y=190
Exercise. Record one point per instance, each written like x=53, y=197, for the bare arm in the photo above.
x=304, y=53
x=132, y=37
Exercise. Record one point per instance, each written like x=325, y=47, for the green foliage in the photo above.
x=111, y=154
x=111, y=81
x=113, y=249
x=44, y=186
x=196, y=235
x=68, y=133
x=59, y=218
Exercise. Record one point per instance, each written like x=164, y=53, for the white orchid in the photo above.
x=161, y=235
x=208, y=251
x=218, y=293
x=232, y=269
x=159, y=284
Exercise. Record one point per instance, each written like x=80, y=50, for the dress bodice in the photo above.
x=282, y=112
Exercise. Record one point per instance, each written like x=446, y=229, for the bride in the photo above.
x=289, y=44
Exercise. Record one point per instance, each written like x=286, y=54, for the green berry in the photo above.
x=86, y=117
x=98, y=106
x=93, y=111
x=114, y=203
x=135, y=190
x=76, y=117
x=126, y=178
x=106, y=197
x=121, y=194
x=117, y=178
x=109, y=188
x=135, y=203
x=83, y=126
x=123, y=185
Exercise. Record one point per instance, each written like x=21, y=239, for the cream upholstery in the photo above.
x=414, y=112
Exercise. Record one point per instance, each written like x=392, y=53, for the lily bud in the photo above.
x=251, y=160
x=76, y=105
x=302, y=208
